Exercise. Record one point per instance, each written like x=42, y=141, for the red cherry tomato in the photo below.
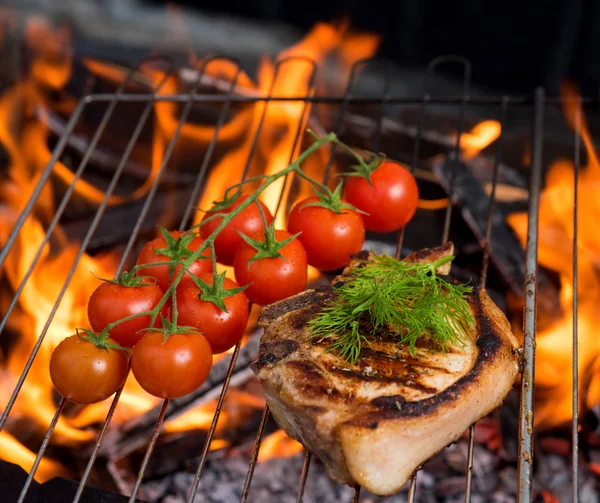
x=84, y=373
x=391, y=200
x=171, y=368
x=222, y=329
x=150, y=255
x=248, y=222
x=111, y=302
x=329, y=238
x=271, y=279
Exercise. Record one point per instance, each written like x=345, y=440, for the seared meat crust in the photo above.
x=375, y=422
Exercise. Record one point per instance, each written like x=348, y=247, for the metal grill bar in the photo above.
x=340, y=121
x=415, y=160
x=304, y=476
x=525, y=467
x=254, y=456
x=149, y=450
x=260, y=123
x=213, y=425
x=470, y=452
x=412, y=488
x=387, y=84
x=448, y=216
x=392, y=100
x=304, y=117
x=487, y=246
x=211, y=148
x=459, y=128
x=42, y=450
x=99, y=441
x=575, y=425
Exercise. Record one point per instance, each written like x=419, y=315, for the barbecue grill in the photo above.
x=538, y=103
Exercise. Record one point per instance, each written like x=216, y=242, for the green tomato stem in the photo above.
x=175, y=312
x=213, y=257
x=321, y=186
x=137, y=268
x=263, y=217
x=110, y=326
x=353, y=153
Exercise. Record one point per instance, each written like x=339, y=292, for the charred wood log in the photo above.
x=505, y=250
x=118, y=222
x=12, y=480
x=56, y=490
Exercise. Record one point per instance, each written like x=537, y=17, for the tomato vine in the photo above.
x=187, y=258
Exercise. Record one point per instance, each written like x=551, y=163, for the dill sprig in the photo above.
x=405, y=298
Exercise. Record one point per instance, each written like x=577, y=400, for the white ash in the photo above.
x=277, y=480
x=442, y=479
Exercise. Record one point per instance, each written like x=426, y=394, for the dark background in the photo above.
x=514, y=45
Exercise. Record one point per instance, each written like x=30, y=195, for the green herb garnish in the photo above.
x=405, y=298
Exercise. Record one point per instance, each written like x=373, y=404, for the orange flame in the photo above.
x=577, y=121
x=283, y=119
x=53, y=65
x=278, y=445
x=322, y=40
x=194, y=419
x=28, y=154
x=26, y=142
x=483, y=134
x=471, y=144
x=554, y=352
x=10, y=448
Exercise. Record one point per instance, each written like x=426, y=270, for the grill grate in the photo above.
x=225, y=101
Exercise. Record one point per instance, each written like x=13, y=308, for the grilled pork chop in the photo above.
x=375, y=422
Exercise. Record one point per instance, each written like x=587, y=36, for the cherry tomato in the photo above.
x=111, y=302
x=248, y=222
x=391, y=200
x=222, y=329
x=150, y=255
x=271, y=279
x=84, y=373
x=329, y=238
x=171, y=368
